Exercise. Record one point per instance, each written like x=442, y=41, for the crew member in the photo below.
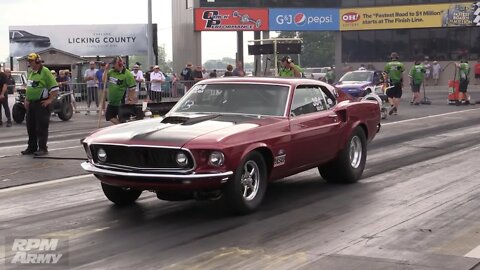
x=394, y=70
x=289, y=69
x=121, y=89
x=42, y=89
x=463, y=75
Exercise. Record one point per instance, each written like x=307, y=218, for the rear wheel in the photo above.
x=18, y=113
x=245, y=190
x=348, y=166
x=121, y=196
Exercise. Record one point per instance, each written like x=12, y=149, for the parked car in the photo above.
x=21, y=36
x=20, y=81
x=316, y=73
x=227, y=137
x=359, y=82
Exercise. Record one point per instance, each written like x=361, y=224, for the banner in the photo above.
x=414, y=16
x=82, y=40
x=305, y=19
x=224, y=19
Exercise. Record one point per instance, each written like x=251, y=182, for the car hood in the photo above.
x=351, y=84
x=178, y=130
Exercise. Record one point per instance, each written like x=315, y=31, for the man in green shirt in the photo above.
x=121, y=88
x=394, y=70
x=463, y=75
x=42, y=89
x=289, y=69
x=417, y=75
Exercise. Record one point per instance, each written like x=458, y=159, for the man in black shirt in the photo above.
x=6, y=81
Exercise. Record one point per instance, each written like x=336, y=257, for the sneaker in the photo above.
x=416, y=103
x=9, y=123
x=41, y=152
x=395, y=111
x=390, y=112
x=28, y=151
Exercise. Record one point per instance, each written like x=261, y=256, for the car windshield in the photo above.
x=357, y=77
x=244, y=98
x=17, y=78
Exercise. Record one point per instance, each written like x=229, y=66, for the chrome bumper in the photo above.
x=89, y=167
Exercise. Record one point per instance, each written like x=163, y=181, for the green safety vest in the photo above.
x=118, y=83
x=39, y=84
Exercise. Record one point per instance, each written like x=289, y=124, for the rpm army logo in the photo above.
x=214, y=20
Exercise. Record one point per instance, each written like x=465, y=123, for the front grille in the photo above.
x=140, y=157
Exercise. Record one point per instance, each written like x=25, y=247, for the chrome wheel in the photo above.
x=355, y=152
x=250, y=180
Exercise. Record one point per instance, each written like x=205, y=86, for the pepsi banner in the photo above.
x=305, y=19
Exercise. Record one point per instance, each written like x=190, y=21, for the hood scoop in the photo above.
x=187, y=120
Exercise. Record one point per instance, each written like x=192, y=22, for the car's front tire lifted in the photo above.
x=348, y=166
x=245, y=190
x=121, y=196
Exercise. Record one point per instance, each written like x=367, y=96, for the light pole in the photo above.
x=149, y=36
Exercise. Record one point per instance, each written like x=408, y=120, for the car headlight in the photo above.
x=102, y=155
x=216, y=158
x=181, y=159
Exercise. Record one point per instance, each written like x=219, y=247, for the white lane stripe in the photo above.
x=474, y=253
x=427, y=117
x=49, y=143
x=49, y=182
x=53, y=136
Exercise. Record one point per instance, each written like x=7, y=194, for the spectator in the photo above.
x=238, y=71
x=63, y=82
x=463, y=75
x=362, y=67
x=99, y=76
x=138, y=75
x=477, y=72
x=147, y=77
x=416, y=75
x=204, y=73
x=40, y=93
x=92, y=86
x=436, y=68
x=120, y=84
x=213, y=74
x=186, y=76
x=6, y=81
x=428, y=70
x=289, y=69
x=229, y=72
x=156, y=79
x=394, y=70
x=197, y=74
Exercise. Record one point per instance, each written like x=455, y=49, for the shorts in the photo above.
x=416, y=88
x=111, y=112
x=395, y=91
x=463, y=86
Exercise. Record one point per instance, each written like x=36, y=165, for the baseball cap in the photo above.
x=33, y=57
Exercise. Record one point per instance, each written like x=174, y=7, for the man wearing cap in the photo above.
x=394, y=70
x=157, y=78
x=289, y=69
x=121, y=88
x=42, y=89
x=138, y=75
x=92, y=85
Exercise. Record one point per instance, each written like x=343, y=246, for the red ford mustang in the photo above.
x=229, y=137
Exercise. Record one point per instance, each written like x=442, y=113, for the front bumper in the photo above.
x=157, y=181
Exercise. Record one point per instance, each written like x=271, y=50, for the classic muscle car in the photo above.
x=228, y=137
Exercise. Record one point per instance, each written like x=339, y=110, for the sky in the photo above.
x=87, y=12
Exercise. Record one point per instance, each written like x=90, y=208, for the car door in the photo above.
x=312, y=124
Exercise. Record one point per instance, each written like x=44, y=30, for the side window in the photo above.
x=309, y=99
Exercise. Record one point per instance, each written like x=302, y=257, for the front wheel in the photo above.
x=18, y=113
x=66, y=111
x=348, y=166
x=121, y=196
x=245, y=190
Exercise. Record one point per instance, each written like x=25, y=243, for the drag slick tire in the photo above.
x=18, y=113
x=66, y=111
x=245, y=190
x=121, y=196
x=348, y=166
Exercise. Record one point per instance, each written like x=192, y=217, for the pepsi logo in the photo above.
x=350, y=17
x=300, y=19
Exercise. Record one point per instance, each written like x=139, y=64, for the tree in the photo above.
x=162, y=63
x=318, y=48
